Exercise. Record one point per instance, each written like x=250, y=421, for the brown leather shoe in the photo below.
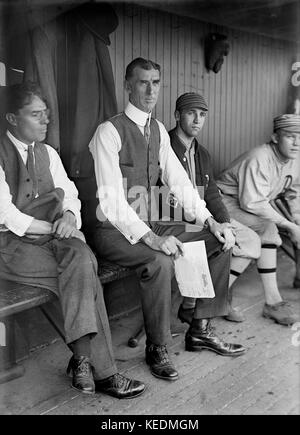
x=119, y=386
x=160, y=364
x=82, y=375
x=201, y=336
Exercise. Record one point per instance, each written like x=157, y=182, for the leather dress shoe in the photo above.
x=160, y=364
x=119, y=386
x=82, y=375
x=185, y=314
x=197, y=340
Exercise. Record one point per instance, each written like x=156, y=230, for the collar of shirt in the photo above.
x=21, y=146
x=188, y=147
x=136, y=115
x=191, y=147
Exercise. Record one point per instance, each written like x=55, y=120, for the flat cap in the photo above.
x=190, y=100
x=287, y=122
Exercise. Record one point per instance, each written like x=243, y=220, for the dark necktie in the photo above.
x=31, y=170
x=147, y=131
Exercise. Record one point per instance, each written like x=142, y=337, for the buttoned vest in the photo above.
x=139, y=162
x=16, y=174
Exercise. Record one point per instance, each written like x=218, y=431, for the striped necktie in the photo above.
x=147, y=131
x=31, y=170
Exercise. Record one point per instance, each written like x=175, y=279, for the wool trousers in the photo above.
x=68, y=268
x=155, y=271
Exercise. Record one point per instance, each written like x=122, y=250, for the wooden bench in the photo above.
x=16, y=298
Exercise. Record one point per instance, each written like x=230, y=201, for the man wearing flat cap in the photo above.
x=190, y=113
x=131, y=152
x=250, y=184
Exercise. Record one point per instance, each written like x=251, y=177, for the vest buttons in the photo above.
x=28, y=195
x=27, y=179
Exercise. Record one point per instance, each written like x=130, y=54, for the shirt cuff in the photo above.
x=20, y=228
x=133, y=233
x=205, y=214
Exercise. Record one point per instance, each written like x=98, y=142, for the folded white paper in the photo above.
x=192, y=272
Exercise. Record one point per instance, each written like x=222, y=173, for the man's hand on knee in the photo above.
x=223, y=232
x=65, y=227
x=169, y=245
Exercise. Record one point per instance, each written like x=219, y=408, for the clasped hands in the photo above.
x=65, y=227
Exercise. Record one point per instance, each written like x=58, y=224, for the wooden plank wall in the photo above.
x=243, y=97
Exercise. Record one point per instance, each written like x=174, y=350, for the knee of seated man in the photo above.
x=218, y=252
x=212, y=244
x=166, y=262
x=248, y=244
x=158, y=264
x=85, y=256
x=270, y=234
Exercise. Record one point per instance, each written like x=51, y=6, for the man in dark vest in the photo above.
x=190, y=113
x=131, y=151
x=41, y=245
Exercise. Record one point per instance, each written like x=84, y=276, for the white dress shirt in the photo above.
x=190, y=158
x=105, y=146
x=11, y=218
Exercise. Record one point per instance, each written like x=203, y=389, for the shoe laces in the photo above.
x=119, y=381
x=162, y=353
x=210, y=330
x=82, y=367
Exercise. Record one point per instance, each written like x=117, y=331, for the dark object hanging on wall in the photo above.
x=216, y=47
x=91, y=96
